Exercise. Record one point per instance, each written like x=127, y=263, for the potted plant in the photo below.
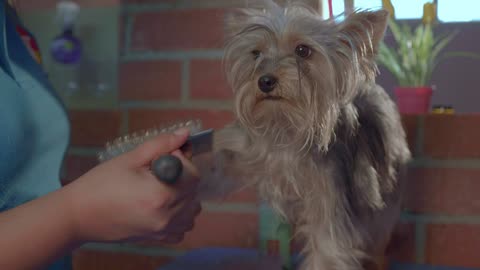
x=413, y=60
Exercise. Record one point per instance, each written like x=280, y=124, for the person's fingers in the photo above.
x=188, y=183
x=177, y=195
x=178, y=205
x=171, y=238
x=179, y=228
x=187, y=164
x=160, y=145
x=187, y=214
x=186, y=194
x=183, y=214
x=187, y=151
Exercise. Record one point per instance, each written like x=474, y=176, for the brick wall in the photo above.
x=170, y=69
x=441, y=222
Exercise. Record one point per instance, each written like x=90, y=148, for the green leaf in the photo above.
x=416, y=53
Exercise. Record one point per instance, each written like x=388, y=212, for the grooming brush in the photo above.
x=167, y=168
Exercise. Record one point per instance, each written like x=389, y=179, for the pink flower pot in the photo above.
x=413, y=100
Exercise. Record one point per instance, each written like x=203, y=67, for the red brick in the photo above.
x=410, y=125
x=444, y=191
x=147, y=1
x=454, y=245
x=242, y=196
x=219, y=3
x=144, y=119
x=94, y=128
x=402, y=244
x=151, y=80
x=219, y=230
x=178, y=30
x=452, y=136
x=76, y=166
x=207, y=80
x=101, y=260
x=248, y=195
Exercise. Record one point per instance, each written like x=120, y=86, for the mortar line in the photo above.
x=84, y=151
x=129, y=22
x=209, y=54
x=246, y=208
x=445, y=163
x=440, y=219
x=222, y=105
x=420, y=239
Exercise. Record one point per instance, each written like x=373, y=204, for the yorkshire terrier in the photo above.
x=321, y=142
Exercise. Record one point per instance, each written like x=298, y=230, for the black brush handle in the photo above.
x=167, y=169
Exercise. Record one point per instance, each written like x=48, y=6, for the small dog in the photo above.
x=322, y=143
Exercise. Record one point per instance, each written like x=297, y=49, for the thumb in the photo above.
x=160, y=145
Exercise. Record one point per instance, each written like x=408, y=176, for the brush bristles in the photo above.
x=131, y=141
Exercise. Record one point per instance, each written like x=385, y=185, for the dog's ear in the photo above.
x=234, y=22
x=237, y=19
x=364, y=31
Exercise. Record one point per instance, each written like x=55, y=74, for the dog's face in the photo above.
x=292, y=71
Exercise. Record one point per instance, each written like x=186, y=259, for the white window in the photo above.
x=448, y=10
x=458, y=10
x=338, y=8
x=409, y=9
x=404, y=9
x=368, y=4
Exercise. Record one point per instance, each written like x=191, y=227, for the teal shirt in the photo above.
x=34, y=127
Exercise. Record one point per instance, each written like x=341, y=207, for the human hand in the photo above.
x=121, y=200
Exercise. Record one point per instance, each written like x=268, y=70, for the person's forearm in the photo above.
x=36, y=233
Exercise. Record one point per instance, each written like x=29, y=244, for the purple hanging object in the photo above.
x=66, y=48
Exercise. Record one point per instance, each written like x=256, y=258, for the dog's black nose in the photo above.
x=267, y=83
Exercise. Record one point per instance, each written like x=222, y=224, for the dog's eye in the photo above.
x=303, y=51
x=256, y=54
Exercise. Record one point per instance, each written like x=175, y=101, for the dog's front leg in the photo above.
x=331, y=246
x=320, y=250
x=221, y=173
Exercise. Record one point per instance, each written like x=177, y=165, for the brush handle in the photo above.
x=167, y=169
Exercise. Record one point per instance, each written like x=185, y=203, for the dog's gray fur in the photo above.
x=329, y=151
